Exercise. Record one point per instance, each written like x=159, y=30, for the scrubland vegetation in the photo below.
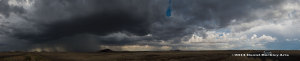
x=208, y=55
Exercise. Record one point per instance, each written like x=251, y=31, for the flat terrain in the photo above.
x=207, y=55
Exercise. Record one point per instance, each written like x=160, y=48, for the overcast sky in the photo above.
x=142, y=25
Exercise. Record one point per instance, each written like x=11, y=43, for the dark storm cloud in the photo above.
x=221, y=12
x=72, y=23
x=6, y=9
x=209, y=14
x=96, y=23
x=82, y=25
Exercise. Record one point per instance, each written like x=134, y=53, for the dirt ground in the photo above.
x=207, y=55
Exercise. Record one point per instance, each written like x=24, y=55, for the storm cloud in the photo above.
x=84, y=25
